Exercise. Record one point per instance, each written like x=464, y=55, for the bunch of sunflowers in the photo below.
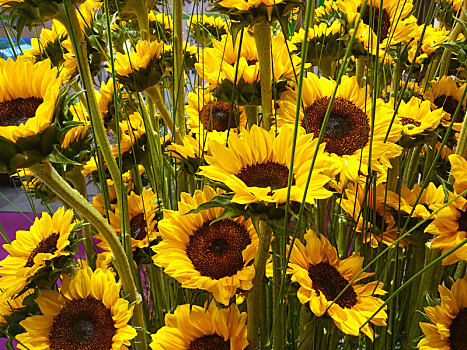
x=272, y=174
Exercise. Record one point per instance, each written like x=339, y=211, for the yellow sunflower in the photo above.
x=416, y=116
x=52, y=44
x=194, y=327
x=217, y=66
x=396, y=23
x=434, y=35
x=322, y=276
x=204, y=28
x=142, y=210
x=446, y=94
x=447, y=330
x=9, y=305
x=208, y=115
x=98, y=201
x=87, y=313
x=203, y=255
x=371, y=214
x=255, y=166
x=458, y=166
x=132, y=136
x=347, y=133
x=141, y=68
x=47, y=239
x=28, y=94
x=161, y=26
x=79, y=132
x=432, y=199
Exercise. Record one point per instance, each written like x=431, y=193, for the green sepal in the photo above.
x=57, y=157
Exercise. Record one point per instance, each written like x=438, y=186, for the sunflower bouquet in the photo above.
x=269, y=174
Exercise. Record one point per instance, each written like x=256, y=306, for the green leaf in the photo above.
x=222, y=200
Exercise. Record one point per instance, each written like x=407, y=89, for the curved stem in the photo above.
x=360, y=70
x=47, y=174
x=141, y=12
x=251, y=113
x=262, y=32
x=156, y=96
x=254, y=295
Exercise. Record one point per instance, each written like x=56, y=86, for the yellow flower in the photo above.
x=161, y=26
x=371, y=214
x=218, y=66
x=47, y=239
x=194, y=327
x=87, y=313
x=202, y=254
x=446, y=94
x=204, y=28
x=9, y=305
x=255, y=166
x=447, y=330
x=458, y=166
x=142, y=210
x=434, y=35
x=347, y=133
x=207, y=115
x=396, y=23
x=78, y=133
x=322, y=276
x=28, y=94
x=416, y=116
x=140, y=68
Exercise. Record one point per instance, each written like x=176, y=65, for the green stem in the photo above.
x=460, y=270
x=156, y=96
x=254, y=295
x=425, y=287
x=263, y=34
x=278, y=323
x=360, y=70
x=251, y=113
x=446, y=58
x=158, y=292
x=412, y=168
x=142, y=12
x=461, y=148
x=307, y=328
x=47, y=174
x=179, y=73
x=77, y=179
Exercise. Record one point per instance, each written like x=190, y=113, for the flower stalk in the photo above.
x=179, y=72
x=263, y=41
x=254, y=295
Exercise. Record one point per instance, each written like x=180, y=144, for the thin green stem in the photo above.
x=251, y=113
x=179, y=72
x=360, y=70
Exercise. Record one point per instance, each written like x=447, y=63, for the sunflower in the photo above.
x=77, y=134
x=218, y=66
x=161, y=26
x=142, y=210
x=28, y=96
x=52, y=44
x=396, y=23
x=256, y=166
x=87, y=313
x=98, y=201
x=202, y=254
x=46, y=240
x=194, y=327
x=458, y=166
x=416, y=116
x=434, y=35
x=141, y=68
x=446, y=94
x=205, y=28
x=207, y=115
x=447, y=330
x=371, y=214
x=431, y=199
x=322, y=276
x=347, y=133
x=9, y=306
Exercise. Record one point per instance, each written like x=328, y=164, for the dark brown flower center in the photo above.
x=252, y=62
x=82, y=324
x=371, y=17
x=449, y=105
x=209, y=342
x=327, y=280
x=269, y=174
x=18, y=111
x=462, y=221
x=458, y=330
x=409, y=121
x=138, y=227
x=48, y=245
x=347, y=130
x=216, y=250
x=216, y=116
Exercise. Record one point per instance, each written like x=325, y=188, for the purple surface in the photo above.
x=11, y=222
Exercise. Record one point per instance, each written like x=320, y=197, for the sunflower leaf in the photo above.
x=222, y=200
x=229, y=212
